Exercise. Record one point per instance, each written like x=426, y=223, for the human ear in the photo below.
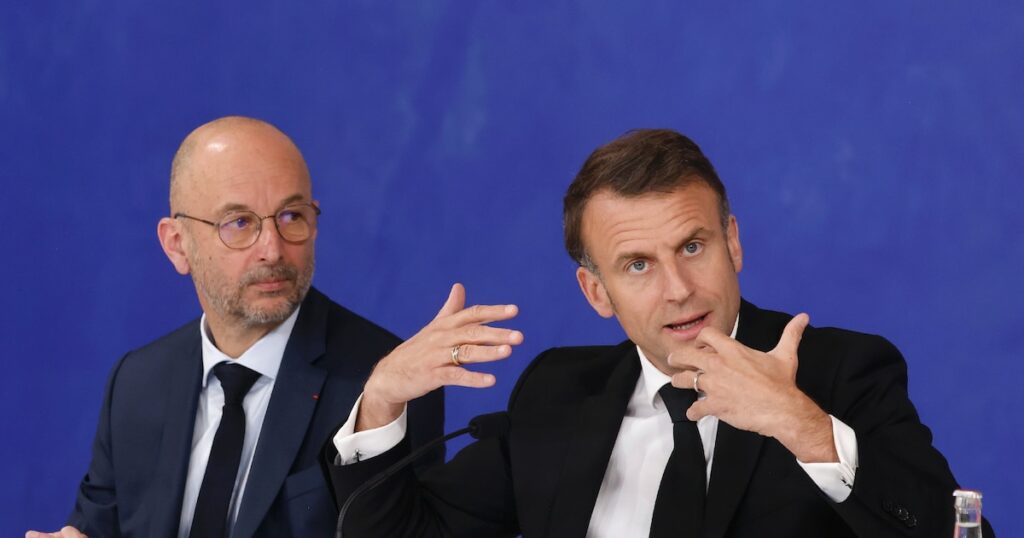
x=593, y=289
x=732, y=238
x=171, y=236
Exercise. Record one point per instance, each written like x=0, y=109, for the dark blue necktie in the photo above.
x=210, y=519
x=679, y=507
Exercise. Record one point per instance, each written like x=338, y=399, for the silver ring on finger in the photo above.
x=696, y=379
x=455, y=355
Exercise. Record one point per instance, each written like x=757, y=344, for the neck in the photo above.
x=233, y=339
x=661, y=364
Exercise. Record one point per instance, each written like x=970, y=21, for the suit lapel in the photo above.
x=592, y=432
x=288, y=415
x=736, y=451
x=182, y=398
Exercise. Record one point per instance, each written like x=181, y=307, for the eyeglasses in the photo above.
x=240, y=229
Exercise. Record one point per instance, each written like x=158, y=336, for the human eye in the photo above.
x=237, y=222
x=637, y=266
x=693, y=248
x=290, y=215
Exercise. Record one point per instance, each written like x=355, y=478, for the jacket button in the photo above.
x=911, y=522
x=902, y=513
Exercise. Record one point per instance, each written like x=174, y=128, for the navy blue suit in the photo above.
x=136, y=479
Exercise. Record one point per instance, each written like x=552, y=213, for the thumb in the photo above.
x=791, y=336
x=456, y=300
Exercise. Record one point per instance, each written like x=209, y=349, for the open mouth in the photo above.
x=686, y=325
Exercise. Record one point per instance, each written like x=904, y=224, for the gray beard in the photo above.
x=235, y=307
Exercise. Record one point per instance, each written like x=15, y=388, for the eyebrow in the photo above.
x=626, y=256
x=227, y=208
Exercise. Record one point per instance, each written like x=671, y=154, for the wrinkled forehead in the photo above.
x=612, y=220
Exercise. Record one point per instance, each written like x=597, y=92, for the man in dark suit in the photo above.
x=216, y=428
x=715, y=419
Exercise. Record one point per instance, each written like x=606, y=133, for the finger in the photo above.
x=698, y=410
x=469, y=354
x=70, y=532
x=462, y=377
x=689, y=359
x=483, y=314
x=488, y=336
x=683, y=380
x=456, y=300
x=791, y=336
x=715, y=339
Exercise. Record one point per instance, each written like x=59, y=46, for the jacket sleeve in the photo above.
x=903, y=485
x=426, y=423
x=471, y=495
x=95, y=511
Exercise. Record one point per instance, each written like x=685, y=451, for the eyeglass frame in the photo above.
x=259, y=223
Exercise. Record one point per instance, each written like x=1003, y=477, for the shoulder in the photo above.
x=344, y=323
x=763, y=328
x=345, y=334
x=166, y=352
x=835, y=363
x=568, y=373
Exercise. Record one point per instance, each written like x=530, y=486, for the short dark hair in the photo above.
x=639, y=162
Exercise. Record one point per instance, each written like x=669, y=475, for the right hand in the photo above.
x=66, y=532
x=424, y=362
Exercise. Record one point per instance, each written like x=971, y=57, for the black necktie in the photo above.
x=679, y=508
x=211, y=514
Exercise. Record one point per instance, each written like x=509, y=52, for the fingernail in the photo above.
x=510, y=309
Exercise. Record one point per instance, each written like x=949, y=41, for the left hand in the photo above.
x=756, y=391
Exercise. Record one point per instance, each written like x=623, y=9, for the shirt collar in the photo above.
x=264, y=356
x=653, y=379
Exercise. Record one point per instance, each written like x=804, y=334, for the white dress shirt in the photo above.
x=265, y=358
x=625, y=503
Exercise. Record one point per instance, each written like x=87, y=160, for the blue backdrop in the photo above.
x=872, y=152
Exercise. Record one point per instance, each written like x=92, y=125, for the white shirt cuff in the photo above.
x=357, y=446
x=836, y=479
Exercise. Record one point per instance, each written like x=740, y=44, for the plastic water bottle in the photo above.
x=967, y=504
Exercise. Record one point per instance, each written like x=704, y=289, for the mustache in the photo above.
x=270, y=272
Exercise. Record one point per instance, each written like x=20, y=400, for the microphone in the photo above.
x=480, y=427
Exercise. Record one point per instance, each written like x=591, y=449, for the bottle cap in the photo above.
x=967, y=499
x=967, y=493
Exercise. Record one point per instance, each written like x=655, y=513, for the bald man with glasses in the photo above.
x=215, y=429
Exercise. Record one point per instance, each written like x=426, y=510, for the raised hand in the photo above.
x=434, y=357
x=756, y=391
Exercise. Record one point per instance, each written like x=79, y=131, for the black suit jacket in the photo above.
x=136, y=479
x=543, y=477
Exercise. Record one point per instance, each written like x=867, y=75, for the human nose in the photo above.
x=268, y=244
x=676, y=283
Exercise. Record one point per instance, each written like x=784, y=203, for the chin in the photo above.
x=268, y=314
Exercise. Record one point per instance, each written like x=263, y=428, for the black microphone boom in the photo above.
x=480, y=427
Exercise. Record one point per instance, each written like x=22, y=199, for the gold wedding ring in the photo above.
x=457, y=362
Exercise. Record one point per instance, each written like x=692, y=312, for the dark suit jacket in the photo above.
x=543, y=477
x=136, y=479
